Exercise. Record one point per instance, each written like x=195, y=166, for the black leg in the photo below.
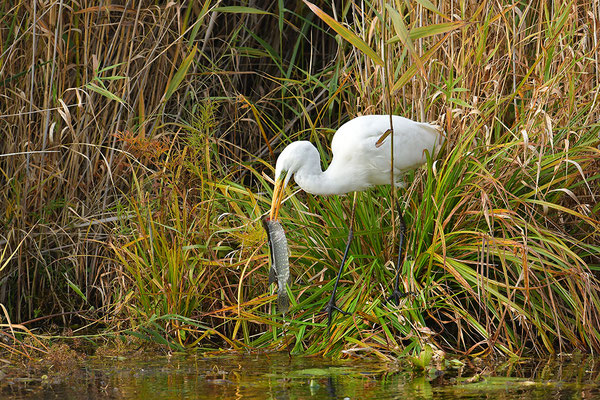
x=396, y=294
x=331, y=306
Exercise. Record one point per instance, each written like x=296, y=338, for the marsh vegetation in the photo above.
x=138, y=139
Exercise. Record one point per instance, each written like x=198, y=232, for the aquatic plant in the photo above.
x=138, y=142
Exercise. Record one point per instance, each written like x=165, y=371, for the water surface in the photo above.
x=278, y=376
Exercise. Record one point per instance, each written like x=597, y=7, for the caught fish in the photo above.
x=280, y=264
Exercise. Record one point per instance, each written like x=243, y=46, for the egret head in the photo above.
x=293, y=158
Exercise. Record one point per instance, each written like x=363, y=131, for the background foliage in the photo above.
x=137, y=139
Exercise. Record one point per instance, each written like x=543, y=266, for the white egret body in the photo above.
x=358, y=162
x=361, y=159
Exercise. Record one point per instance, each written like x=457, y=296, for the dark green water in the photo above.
x=277, y=376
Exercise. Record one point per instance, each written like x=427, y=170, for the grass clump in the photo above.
x=139, y=142
x=503, y=242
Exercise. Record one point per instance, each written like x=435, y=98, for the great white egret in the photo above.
x=361, y=159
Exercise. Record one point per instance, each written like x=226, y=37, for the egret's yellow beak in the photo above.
x=278, y=193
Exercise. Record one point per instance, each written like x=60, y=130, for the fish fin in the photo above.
x=272, y=275
x=283, y=302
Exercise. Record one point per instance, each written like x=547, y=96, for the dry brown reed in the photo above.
x=135, y=136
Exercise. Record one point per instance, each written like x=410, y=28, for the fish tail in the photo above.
x=283, y=302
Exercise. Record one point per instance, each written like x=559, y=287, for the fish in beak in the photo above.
x=279, y=272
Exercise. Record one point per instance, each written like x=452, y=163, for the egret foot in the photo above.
x=330, y=308
x=397, y=295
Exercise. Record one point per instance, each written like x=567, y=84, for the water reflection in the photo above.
x=277, y=376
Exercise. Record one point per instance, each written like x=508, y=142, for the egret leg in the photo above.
x=331, y=306
x=397, y=294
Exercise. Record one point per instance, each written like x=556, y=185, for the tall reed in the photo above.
x=138, y=138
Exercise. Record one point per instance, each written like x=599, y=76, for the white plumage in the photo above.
x=361, y=159
x=358, y=163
